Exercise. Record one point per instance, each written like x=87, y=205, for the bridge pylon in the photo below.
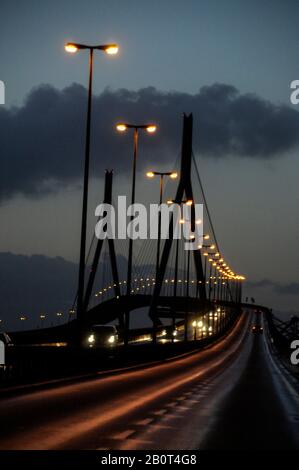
x=184, y=190
x=98, y=250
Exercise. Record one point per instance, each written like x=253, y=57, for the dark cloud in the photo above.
x=288, y=289
x=42, y=142
x=291, y=288
x=260, y=284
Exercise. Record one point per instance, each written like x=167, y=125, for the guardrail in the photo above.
x=30, y=363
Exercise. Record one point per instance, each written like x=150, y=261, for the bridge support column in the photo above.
x=95, y=262
x=184, y=188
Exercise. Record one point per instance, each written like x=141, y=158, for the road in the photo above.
x=210, y=399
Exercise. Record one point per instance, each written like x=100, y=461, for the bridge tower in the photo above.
x=95, y=262
x=184, y=190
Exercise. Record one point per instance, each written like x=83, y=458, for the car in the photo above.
x=167, y=334
x=6, y=339
x=257, y=329
x=101, y=336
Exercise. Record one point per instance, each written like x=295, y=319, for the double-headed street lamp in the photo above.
x=213, y=263
x=123, y=127
x=110, y=49
x=73, y=48
x=59, y=315
x=188, y=202
x=206, y=254
x=220, y=272
x=161, y=174
x=42, y=318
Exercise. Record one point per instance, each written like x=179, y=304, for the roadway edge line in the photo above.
x=10, y=392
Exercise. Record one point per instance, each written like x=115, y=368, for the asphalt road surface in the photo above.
x=228, y=396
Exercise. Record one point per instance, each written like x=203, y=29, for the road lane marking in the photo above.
x=123, y=435
x=160, y=412
x=132, y=443
x=82, y=425
x=172, y=404
x=158, y=427
x=192, y=401
x=144, y=422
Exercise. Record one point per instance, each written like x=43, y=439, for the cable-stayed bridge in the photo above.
x=175, y=284
x=207, y=372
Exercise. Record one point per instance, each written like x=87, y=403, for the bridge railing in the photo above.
x=31, y=362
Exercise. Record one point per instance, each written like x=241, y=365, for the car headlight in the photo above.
x=91, y=338
x=111, y=339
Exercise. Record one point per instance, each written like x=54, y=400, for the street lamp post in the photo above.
x=59, y=315
x=187, y=296
x=42, y=318
x=152, y=174
x=194, y=324
x=73, y=48
x=188, y=202
x=215, y=279
x=210, y=278
x=122, y=127
x=206, y=254
x=205, y=237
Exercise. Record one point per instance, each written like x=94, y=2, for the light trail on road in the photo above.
x=180, y=403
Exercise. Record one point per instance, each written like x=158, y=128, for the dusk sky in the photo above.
x=230, y=63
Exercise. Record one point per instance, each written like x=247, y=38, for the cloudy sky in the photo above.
x=230, y=63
